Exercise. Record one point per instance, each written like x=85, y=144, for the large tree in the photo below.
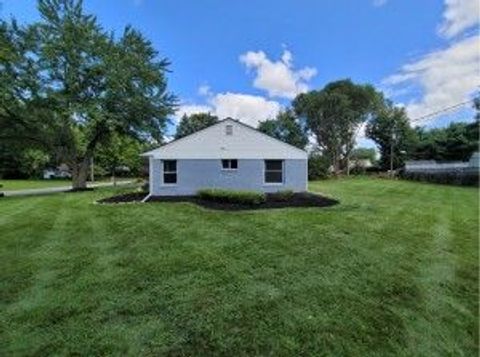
x=82, y=84
x=189, y=124
x=335, y=114
x=390, y=129
x=287, y=128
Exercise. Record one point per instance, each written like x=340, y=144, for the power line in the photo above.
x=458, y=105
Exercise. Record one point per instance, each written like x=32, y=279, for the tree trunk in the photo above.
x=80, y=174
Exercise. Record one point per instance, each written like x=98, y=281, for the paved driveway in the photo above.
x=47, y=190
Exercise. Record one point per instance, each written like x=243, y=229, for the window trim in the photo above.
x=169, y=172
x=230, y=165
x=265, y=183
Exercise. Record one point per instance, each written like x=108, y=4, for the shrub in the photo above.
x=230, y=196
x=451, y=178
x=282, y=196
x=318, y=167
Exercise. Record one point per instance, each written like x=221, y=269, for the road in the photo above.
x=47, y=190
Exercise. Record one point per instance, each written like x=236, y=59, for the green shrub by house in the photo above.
x=282, y=196
x=230, y=196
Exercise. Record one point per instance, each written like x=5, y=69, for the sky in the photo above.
x=247, y=59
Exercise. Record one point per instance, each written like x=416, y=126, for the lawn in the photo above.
x=391, y=270
x=12, y=185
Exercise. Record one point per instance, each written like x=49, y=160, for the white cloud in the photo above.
x=278, y=78
x=445, y=77
x=379, y=3
x=248, y=108
x=204, y=90
x=245, y=107
x=459, y=15
x=188, y=109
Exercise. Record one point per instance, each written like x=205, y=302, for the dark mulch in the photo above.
x=304, y=199
x=80, y=189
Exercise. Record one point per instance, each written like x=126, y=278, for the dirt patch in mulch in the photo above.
x=304, y=199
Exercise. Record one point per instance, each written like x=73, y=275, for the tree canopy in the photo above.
x=287, y=128
x=390, y=129
x=334, y=115
x=362, y=153
x=456, y=142
x=189, y=124
x=67, y=85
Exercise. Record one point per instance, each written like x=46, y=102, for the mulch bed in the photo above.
x=304, y=199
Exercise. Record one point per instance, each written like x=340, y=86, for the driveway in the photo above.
x=47, y=190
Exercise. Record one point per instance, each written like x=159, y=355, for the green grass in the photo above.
x=11, y=185
x=392, y=270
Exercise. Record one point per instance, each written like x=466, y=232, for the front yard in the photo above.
x=392, y=269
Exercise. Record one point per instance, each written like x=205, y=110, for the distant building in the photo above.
x=437, y=167
x=62, y=171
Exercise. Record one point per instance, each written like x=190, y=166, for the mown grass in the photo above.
x=11, y=185
x=391, y=270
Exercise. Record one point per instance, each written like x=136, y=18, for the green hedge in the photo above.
x=230, y=196
x=449, y=178
x=282, y=196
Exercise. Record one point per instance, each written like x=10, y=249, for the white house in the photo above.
x=230, y=155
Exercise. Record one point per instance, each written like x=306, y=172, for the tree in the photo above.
x=118, y=151
x=194, y=122
x=390, y=129
x=334, y=115
x=476, y=106
x=456, y=142
x=285, y=127
x=25, y=110
x=78, y=85
x=364, y=154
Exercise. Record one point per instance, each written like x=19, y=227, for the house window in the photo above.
x=230, y=164
x=273, y=171
x=169, y=172
x=229, y=129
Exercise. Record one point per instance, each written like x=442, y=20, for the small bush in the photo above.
x=145, y=187
x=230, y=196
x=282, y=196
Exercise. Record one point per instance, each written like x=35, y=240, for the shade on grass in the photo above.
x=392, y=269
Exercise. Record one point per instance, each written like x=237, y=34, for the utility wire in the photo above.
x=441, y=111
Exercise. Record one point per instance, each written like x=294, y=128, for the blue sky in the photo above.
x=247, y=58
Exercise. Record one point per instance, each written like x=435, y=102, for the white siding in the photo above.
x=214, y=143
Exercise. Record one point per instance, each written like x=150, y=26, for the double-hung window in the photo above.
x=274, y=171
x=230, y=164
x=169, y=172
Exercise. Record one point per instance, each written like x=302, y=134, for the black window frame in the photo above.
x=170, y=172
x=270, y=173
x=230, y=164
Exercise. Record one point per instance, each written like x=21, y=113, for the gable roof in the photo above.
x=212, y=142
